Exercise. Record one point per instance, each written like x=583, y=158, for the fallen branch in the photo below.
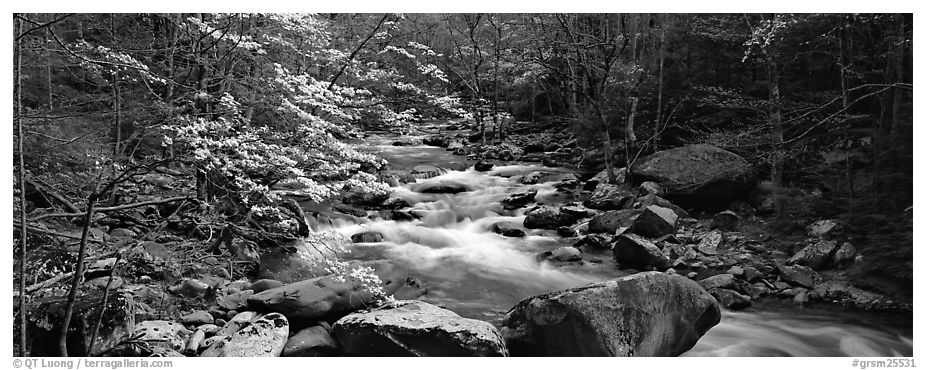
x=114, y=208
x=49, y=282
x=47, y=189
x=54, y=233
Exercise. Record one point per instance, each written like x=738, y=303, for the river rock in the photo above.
x=654, y=200
x=426, y=171
x=566, y=232
x=700, y=176
x=644, y=314
x=313, y=341
x=718, y=281
x=635, y=251
x=162, y=333
x=710, y=243
x=264, y=284
x=797, y=274
x=824, y=229
x=655, y=221
x=609, y=197
x=440, y=187
x=483, y=166
x=594, y=242
x=264, y=337
x=731, y=299
x=602, y=178
x=844, y=255
x=815, y=255
x=509, y=229
x=190, y=288
x=436, y=140
x=726, y=220
x=234, y=301
x=566, y=254
x=610, y=221
x=197, y=318
x=650, y=187
x=417, y=329
x=518, y=200
x=367, y=237
x=326, y=297
x=546, y=217
x=44, y=316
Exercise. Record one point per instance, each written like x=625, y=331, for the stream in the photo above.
x=465, y=267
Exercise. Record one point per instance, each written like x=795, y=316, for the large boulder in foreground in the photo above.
x=417, y=329
x=700, y=176
x=327, y=297
x=645, y=314
x=264, y=336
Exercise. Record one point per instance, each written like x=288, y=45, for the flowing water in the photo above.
x=465, y=267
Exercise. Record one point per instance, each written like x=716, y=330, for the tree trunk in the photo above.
x=78, y=276
x=775, y=118
x=897, y=64
x=843, y=68
x=24, y=235
x=662, y=59
x=117, y=115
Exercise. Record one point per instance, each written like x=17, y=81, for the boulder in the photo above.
x=162, y=333
x=566, y=232
x=483, y=166
x=645, y=314
x=844, y=255
x=197, y=318
x=717, y=281
x=797, y=274
x=44, y=316
x=426, y=171
x=824, y=229
x=263, y=337
x=654, y=222
x=440, y=187
x=234, y=301
x=313, y=341
x=699, y=176
x=566, y=254
x=509, y=229
x=327, y=297
x=731, y=299
x=417, y=329
x=546, y=217
x=190, y=288
x=518, y=200
x=610, y=221
x=653, y=200
x=711, y=243
x=594, y=242
x=635, y=251
x=264, y=284
x=726, y=220
x=650, y=187
x=436, y=140
x=815, y=255
x=367, y=237
x=609, y=197
x=602, y=178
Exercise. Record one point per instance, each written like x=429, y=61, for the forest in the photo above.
x=208, y=184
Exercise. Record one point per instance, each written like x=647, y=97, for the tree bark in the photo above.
x=23, y=231
x=662, y=59
x=78, y=276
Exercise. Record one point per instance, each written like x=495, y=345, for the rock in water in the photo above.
x=426, y=171
x=417, y=329
x=326, y=297
x=731, y=299
x=509, y=229
x=311, y=342
x=440, y=187
x=518, y=200
x=264, y=337
x=483, y=166
x=655, y=221
x=718, y=281
x=700, y=176
x=609, y=222
x=549, y=218
x=609, y=197
x=367, y=237
x=566, y=254
x=799, y=275
x=635, y=251
x=645, y=314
